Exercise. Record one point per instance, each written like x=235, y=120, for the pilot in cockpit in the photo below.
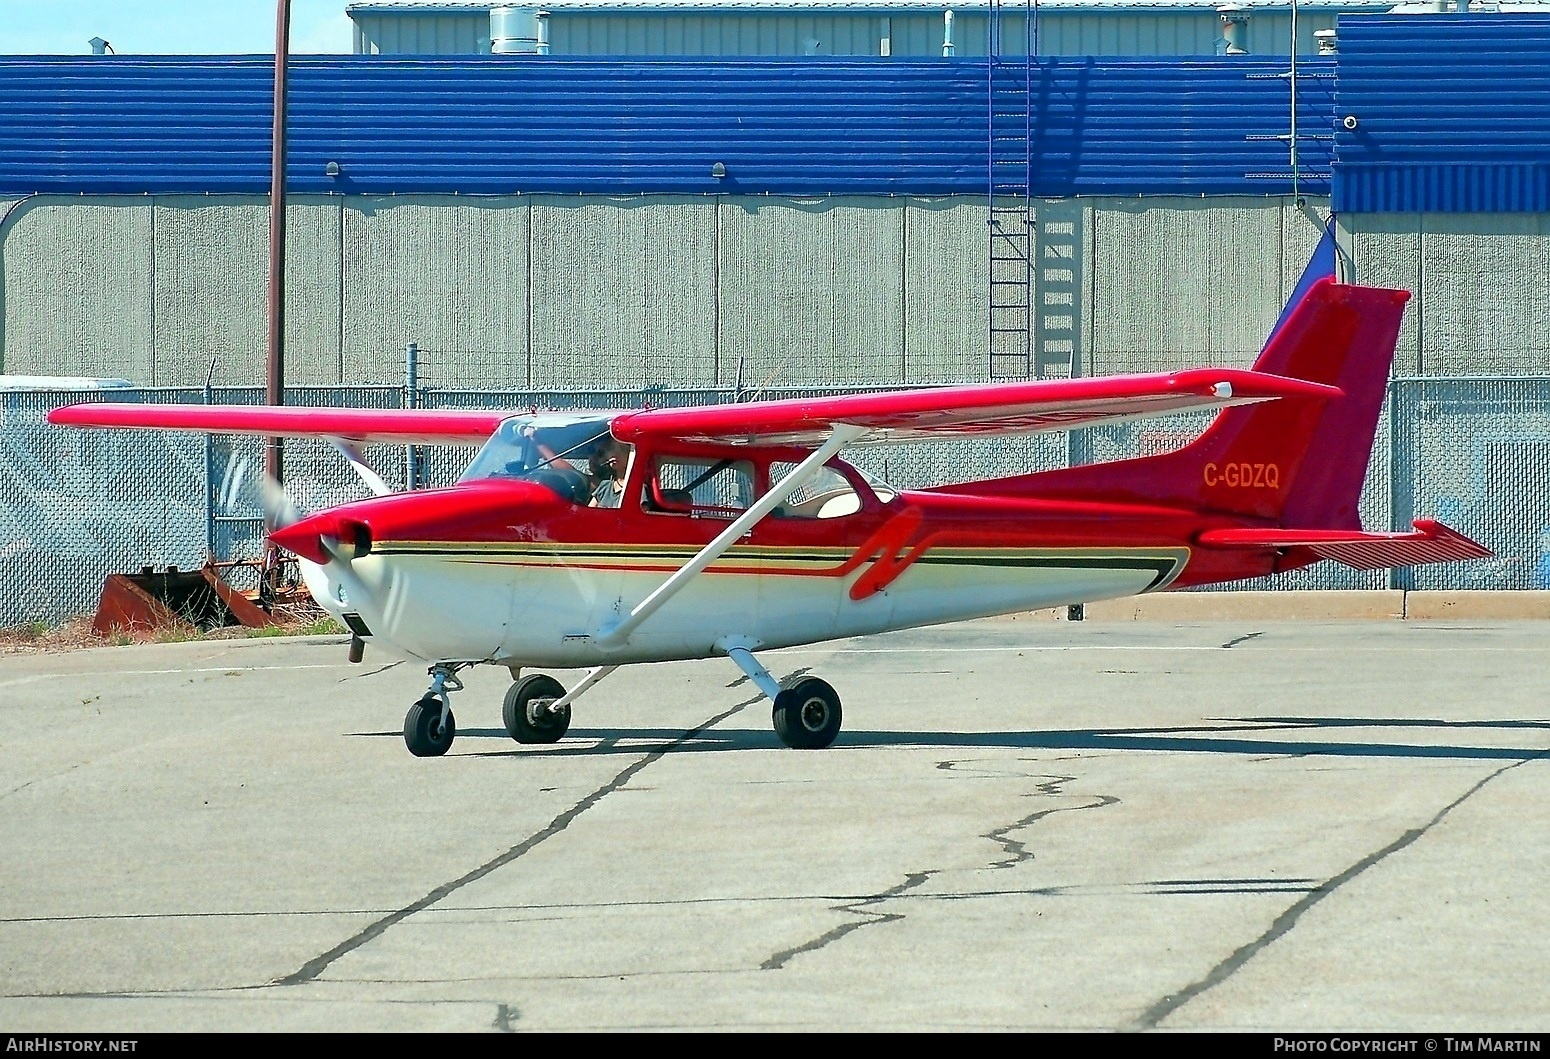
x=609, y=464
x=602, y=483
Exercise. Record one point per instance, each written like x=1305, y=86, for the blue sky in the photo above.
x=169, y=27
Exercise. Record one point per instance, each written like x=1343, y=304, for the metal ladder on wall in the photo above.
x=1035, y=264
x=1009, y=193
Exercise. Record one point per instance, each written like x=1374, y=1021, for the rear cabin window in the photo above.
x=703, y=488
x=825, y=495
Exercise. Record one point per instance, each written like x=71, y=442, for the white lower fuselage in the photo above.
x=547, y=605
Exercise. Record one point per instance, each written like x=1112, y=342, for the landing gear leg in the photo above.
x=428, y=726
x=806, y=714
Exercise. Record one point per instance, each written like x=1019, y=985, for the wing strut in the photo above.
x=615, y=635
x=352, y=453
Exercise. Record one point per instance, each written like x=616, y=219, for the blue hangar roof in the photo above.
x=1429, y=113
x=501, y=125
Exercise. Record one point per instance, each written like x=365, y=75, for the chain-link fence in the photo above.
x=77, y=505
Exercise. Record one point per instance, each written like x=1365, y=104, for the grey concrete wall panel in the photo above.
x=811, y=291
x=1485, y=293
x=1385, y=251
x=946, y=276
x=1301, y=229
x=211, y=295
x=1181, y=282
x=1244, y=278
x=1082, y=363
x=77, y=288
x=623, y=292
x=446, y=272
x=314, y=291
x=211, y=274
x=1061, y=246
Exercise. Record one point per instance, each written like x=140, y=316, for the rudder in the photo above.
x=1295, y=461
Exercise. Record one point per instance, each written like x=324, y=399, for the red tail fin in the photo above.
x=1297, y=461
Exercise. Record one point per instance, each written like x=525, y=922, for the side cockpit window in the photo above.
x=825, y=495
x=699, y=487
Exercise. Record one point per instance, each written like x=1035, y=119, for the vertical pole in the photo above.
x=411, y=400
x=210, y=471
x=1030, y=222
x=1296, y=191
x=274, y=454
x=1401, y=454
x=992, y=46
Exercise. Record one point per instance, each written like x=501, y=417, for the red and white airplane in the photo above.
x=725, y=530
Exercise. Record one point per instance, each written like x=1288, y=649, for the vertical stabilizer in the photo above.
x=1295, y=461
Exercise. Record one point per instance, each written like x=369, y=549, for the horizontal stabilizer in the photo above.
x=1431, y=542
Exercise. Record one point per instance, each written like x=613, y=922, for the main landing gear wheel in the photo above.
x=807, y=715
x=527, y=712
x=423, y=731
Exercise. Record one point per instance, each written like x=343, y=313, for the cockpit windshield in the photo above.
x=554, y=449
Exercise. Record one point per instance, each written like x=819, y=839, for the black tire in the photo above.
x=423, y=733
x=807, y=715
x=527, y=720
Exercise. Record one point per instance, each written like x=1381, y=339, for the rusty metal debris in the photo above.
x=256, y=593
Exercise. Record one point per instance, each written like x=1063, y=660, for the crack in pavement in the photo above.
x=371, y=672
x=1017, y=853
x=313, y=968
x=1152, y=1016
x=1051, y=787
x=857, y=908
x=1235, y=641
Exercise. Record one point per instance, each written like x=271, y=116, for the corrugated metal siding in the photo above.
x=719, y=33
x=498, y=125
x=438, y=33
x=1181, y=33
x=733, y=32
x=1161, y=127
x=1452, y=112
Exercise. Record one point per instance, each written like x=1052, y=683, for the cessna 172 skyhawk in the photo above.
x=724, y=530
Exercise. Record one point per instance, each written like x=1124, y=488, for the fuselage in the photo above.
x=521, y=573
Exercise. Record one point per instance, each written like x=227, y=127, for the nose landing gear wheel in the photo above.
x=527, y=714
x=807, y=715
x=423, y=731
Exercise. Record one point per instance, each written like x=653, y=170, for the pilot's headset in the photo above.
x=601, y=461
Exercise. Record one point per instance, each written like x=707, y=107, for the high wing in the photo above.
x=393, y=426
x=957, y=411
